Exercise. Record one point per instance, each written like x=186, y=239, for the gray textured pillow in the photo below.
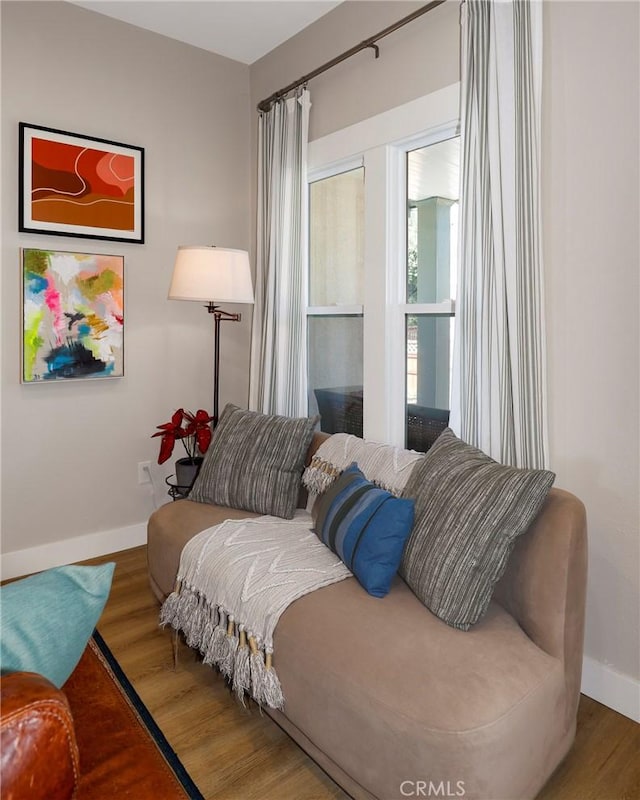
x=468, y=512
x=254, y=462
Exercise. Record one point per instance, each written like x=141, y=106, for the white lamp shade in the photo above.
x=211, y=275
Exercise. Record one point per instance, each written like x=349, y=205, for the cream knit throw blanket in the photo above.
x=234, y=582
x=387, y=466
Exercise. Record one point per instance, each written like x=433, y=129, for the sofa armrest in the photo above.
x=544, y=586
x=38, y=750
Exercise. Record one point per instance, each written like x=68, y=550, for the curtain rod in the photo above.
x=265, y=105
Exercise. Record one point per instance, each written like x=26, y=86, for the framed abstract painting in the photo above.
x=75, y=185
x=73, y=316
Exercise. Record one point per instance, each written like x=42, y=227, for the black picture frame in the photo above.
x=80, y=186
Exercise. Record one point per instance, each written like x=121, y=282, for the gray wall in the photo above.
x=590, y=194
x=70, y=451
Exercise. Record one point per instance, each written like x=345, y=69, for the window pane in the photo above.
x=335, y=372
x=432, y=221
x=429, y=340
x=336, y=239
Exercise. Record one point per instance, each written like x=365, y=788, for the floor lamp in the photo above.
x=213, y=275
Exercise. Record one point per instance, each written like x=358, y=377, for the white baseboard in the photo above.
x=68, y=551
x=611, y=688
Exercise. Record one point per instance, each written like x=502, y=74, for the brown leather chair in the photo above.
x=38, y=750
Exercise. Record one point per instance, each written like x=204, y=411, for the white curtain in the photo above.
x=278, y=347
x=499, y=392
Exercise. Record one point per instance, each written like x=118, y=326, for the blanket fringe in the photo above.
x=242, y=668
x=257, y=678
x=214, y=650
x=272, y=688
x=319, y=475
x=230, y=649
x=210, y=625
x=168, y=610
x=225, y=645
x=265, y=684
x=198, y=621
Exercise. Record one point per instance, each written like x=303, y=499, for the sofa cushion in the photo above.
x=255, y=462
x=364, y=525
x=47, y=619
x=391, y=694
x=469, y=512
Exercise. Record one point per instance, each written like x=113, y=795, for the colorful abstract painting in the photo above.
x=73, y=316
x=75, y=185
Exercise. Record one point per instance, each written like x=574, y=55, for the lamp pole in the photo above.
x=218, y=316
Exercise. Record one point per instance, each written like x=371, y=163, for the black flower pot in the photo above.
x=187, y=470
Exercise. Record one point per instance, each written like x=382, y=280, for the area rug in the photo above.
x=123, y=752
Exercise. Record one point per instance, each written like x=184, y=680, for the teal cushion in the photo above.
x=48, y=618
x=365, y=526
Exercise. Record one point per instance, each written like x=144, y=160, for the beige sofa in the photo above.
x=392, y=702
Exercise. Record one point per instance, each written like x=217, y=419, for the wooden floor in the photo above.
x=236, y=754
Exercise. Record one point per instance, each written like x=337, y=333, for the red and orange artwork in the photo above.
x=81, y=186
x=74, y=185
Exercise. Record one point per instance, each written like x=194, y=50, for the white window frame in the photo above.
x=380, y=145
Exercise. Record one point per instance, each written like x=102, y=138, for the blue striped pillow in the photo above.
x=365, y=526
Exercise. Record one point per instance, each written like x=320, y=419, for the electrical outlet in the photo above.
x=144, y=472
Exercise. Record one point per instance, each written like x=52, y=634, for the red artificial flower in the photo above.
x=170, y=431
x=199, y=427
x=196, y=433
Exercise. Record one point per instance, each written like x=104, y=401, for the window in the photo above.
x=382, y=265
x=432, y=179
x=334, y=322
